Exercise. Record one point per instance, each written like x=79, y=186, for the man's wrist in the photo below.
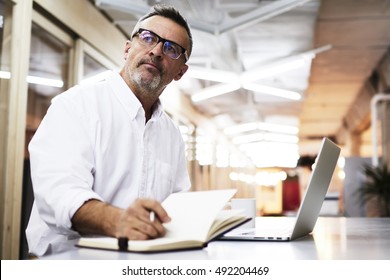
x=96, y=217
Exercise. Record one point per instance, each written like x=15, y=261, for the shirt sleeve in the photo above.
x=62, y=164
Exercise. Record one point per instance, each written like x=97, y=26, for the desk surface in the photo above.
x=332, y=238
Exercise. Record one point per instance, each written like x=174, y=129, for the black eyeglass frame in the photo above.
x=163, y=40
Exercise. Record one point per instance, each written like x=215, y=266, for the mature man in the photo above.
x=106, y=154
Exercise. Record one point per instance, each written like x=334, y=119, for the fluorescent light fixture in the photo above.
x=233, y=85
x=255, y=137
x=282, y=66
x=246, y=79
x=224, y=88
x=292, y=95
x=213, y=91
x=267, y=147
x=245, y=127
x=212, y=75
x=269, y=137
x=272, y=70
x=276, y=162
x=282, y=138
x=5, y=75
x=236, y=129
x=278, y=128
x=254, y=15
x=45, y=81
x=36, y=80
x=271, y=154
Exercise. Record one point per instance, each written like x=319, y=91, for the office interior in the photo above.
x=267, y=81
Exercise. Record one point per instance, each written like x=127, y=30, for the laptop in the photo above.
x=268, y=228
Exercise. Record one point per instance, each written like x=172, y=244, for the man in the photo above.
x=106, y=155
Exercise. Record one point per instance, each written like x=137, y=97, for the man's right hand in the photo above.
x=97, y=217
x=136, y=223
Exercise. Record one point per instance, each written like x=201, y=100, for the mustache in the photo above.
x=153, y=61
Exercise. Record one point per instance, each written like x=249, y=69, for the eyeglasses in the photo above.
x=150, y=40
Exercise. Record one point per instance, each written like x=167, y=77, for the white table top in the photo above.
x=333, y=238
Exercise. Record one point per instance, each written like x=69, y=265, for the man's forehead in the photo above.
x=166, y=28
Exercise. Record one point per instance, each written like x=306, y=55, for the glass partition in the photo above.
x=95, y=66
x=94, y=71
x=47, y=77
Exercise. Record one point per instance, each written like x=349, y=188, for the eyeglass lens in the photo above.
x=150, y=39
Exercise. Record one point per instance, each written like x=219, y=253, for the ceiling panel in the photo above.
x=259, y=37
x=354, y=8
x=345, y=64
x=316, y=129
x=359, y=34
x=336, y=93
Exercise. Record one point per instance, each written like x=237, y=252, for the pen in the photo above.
x=152, y=216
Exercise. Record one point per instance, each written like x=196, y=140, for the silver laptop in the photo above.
x=268, y=228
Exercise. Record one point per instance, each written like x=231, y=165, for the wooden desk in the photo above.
x=333, y=238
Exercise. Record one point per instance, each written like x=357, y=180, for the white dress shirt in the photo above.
x=93, y=143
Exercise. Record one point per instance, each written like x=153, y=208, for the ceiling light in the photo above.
x=45, y=81
x=272, y=70
x=290, y=129
x=36, y=80
x=5, y=75
x=212, y=75
x=265, y=137
x=246, y=79
x=262, y=13
x=240, y=128
x=282, y=66
x=283, y=162
x=213, y=91
x=255, y=137
x=292, y=95
x=282, y=138
x=271, y=154
x=272, y=127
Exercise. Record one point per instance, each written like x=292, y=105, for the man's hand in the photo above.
x=142, y=220
x=135, y=223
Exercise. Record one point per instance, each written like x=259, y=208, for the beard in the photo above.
x=147, y=81
x=146, y=84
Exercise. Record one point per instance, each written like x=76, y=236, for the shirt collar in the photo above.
x=157, y=109
x=127, y=98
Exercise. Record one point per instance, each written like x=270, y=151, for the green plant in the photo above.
x=377, y=186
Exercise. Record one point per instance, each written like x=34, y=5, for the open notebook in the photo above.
x=285, y=229
x=197, y=218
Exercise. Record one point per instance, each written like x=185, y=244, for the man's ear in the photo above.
x=181, y=72
x=127, y=48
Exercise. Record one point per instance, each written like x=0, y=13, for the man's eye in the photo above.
x=148, y=38
x=170, y=47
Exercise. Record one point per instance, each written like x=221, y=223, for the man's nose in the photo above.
x=157, y=50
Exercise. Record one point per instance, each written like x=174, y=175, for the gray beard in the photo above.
x=146, y=85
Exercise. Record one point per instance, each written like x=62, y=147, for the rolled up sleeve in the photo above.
x=62, y=165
